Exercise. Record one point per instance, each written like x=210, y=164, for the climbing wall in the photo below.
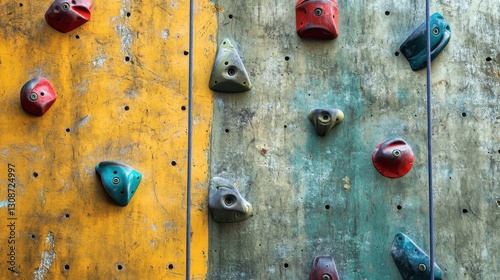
x=122, y=86
x=315, y=195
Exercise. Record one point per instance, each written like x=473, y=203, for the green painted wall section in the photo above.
x=313, y=196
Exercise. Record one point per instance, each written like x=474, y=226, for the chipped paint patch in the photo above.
x=127, y=37
x=47, y=259
x=3, y=204
x=346, y=180
x=164, y=34
x=99, y=61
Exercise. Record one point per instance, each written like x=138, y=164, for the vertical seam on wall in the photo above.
x=429, y=139
x=190, y=142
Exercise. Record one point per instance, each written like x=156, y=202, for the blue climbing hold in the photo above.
x=119, y=180
x=412, y=262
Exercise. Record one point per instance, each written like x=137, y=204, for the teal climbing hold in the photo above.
x=119, y=180
x=412, y=262
x=414, y=47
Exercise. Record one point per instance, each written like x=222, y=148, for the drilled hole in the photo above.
x=122, y=192
x=226, y=130
x=327, y=207
x=186, y=52
x=126, y=108
x=400, y=238
x=285, y=265
x=464, y=114
x=230, y=16
x=285, y=126
x=119, y=267
x=488, y=58
x=35, y=174
x=77, y=36
x=115, y=172
x=173, y=163
x=287, y=58
x=399, y=207
x=396, y=53
x=170, y=266
x=20, y=4
x=68, y=130
x=66, y=215
x=465, y=211
x=387, y=13
x=42, y=93
x=66, y=267
x=183, y=108
x=128, y=14
x=127, y=58
x=33, y=236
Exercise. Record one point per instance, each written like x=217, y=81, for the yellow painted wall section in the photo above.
x=122, y=85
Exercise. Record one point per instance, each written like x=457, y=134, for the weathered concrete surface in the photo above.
x=263, y=141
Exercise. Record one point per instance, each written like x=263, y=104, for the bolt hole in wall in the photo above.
x=119, y=267
x=183, y=108
x=464, y=114
x=77, y=36
x=33, y=236
x=127, y=58
x=287, y=58
x=128, y=14
x=170, y=266
x=173, y=163
x=68, y=130
x=66, y=267
x=399, y=207
x=226, y=130
x=66, y=216
x=126, y=108
x=387, y=13
x=327, y=207
x=35, y=174
x=396, y=53
x=465, y=211
x=230, y=16
x=20, y=4
x=186, y=52
x=488, y=58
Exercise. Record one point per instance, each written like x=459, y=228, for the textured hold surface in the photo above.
x=325, y=119
x=412, y=262
x=317, y=19
x=393, y=158
x=324, y=268
x=226, y=203
x=229, y=73
x=414, y=47
x=119, y=180
x=66, y=15
x=37, y=96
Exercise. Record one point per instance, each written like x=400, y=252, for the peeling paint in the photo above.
x=3, y=204
x=47, y=259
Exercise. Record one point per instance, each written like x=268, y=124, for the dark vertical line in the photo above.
x=429, y=139
x=190, y=141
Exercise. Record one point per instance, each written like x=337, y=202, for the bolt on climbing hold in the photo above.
x=317, y=19
x=37, y=96
x=393, y=158
x=325, y=119
x=64, y=15
x=119, y=180
x=414, y=47
x=411, y=261
x=324, y=268
x=229, y=73
x=226, y=203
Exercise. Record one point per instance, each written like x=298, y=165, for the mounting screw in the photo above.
x=228, y=201
x=33, y=96
x=318, y=12
x=326, y=277
x=422, y=267
x=65, y=6
x=435, y=31
x=396, y=153
x=231, y=72
x=116, y=180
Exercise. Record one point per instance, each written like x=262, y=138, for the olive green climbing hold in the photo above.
x=119, y=180
x=325, y=119
x=226, y=203
x=229, y=73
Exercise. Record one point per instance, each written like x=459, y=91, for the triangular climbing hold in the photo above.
x=229, y=73
x=119, y=180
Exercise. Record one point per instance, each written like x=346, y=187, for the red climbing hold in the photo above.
x=317, y=19
x=37, y=96
x=324, y=269
x=66, y=15
x=393, y=158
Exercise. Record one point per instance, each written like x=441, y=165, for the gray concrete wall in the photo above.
x=263, y=141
